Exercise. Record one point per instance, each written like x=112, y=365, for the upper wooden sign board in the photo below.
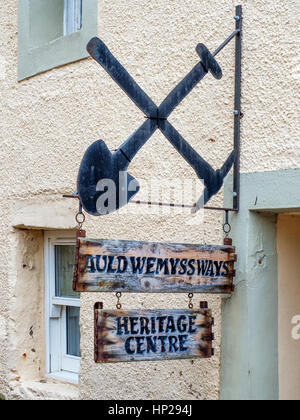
x=146, y=267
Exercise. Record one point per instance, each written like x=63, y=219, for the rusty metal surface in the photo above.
x=149, y=335
x=79, y=234
x=148, y=267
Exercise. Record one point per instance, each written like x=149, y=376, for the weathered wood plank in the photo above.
x=162, y=334
x=147, y=267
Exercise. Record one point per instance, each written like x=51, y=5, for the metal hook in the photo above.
x=227, y=226
x=80, y=216
x=118, y=296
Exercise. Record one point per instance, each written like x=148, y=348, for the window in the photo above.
x=53, y=32
x=72, y=16
x=62, y=308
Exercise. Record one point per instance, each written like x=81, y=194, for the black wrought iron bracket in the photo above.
x=99, y=163
x=237, y=107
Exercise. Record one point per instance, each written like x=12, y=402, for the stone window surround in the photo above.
x=36, y=215
x=249, y=350
x=64, y=50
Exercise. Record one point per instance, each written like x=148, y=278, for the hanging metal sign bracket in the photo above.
x=109, y=165
x=237, y=109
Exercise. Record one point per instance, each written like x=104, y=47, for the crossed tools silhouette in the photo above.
x=99, y=164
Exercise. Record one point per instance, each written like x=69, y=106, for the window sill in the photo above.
x=64, y=376
x=47, y=389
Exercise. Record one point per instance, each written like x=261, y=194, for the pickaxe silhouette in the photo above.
x=100, y=164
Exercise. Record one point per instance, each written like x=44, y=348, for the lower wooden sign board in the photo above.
x=148, y=267
x=140, y=335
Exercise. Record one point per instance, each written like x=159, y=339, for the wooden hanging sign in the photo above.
x=147, y=267
x=140, y=335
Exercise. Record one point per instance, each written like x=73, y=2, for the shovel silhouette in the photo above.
x=103, y=184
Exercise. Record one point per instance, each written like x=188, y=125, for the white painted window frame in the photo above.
x=59, y=365
x=72, y=16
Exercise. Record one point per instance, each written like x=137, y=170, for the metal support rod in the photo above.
x=152, y=203
x=237, y=107
x=71, y=196
x=220, y=48
x=226, y=217
x=188, y=206
x=219, y=209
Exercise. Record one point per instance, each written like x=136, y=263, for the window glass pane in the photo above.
x=72, y=16
x=73, y=331
x=64, y=268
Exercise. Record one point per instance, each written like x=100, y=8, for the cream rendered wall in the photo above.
x=48, y=121
x=288, y=243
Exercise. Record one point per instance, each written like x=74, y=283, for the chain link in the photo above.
x=227, y=225
x=118, y=296
x=227, y=229
x=190, y=296
x=80, y=217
